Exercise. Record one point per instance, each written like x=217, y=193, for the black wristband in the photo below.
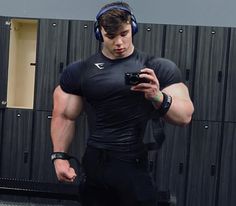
x=60, y=155
x=165, y=105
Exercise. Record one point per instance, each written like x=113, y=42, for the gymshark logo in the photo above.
x=99, y=65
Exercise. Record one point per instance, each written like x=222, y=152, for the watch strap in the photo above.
x=165, y=105
x=60, y=155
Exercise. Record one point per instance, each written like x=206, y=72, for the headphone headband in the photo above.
x=104, y=10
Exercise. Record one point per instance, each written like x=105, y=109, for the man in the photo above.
x=115, y=161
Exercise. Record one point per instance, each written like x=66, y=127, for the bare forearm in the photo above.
x=62, y=133
x=180, y=112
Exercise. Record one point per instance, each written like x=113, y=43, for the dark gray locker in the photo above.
x=227, y=185
x=209, y=81
x=16, y=143
x=42, y=167
x=82, y=42
x=1, y=122
x=180, y=48
x=4, y=53
x=172, y=162
x=51, y=60
x=230, y=108
x=203, y=163
x=149, y=38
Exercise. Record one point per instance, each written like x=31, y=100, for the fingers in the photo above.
x=150, y=75
x=64, y=172
x=67, y=176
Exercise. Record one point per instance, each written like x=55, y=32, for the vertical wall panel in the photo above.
x=16, y=143
x=204, y=155
x=4, y=53
x=51, y=59
x=172, y=162
x=230, y=108
x=150, y=38
x=227, y=186
x=82, y=41
x=210, y=73
x=180, y=48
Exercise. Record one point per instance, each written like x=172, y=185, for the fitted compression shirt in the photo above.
x=120, y=114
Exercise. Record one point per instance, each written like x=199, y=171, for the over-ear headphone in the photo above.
x=134, y=25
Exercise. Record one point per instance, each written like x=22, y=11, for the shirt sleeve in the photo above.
x=70, y=80
x=166, y=71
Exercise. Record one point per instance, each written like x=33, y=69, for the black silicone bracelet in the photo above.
x=60, y=155
x=165, y=105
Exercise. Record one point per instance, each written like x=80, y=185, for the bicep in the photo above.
x=66, y=105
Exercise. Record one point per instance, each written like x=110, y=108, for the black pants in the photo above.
x=114, y=182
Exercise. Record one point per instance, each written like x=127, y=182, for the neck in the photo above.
x=109, y=55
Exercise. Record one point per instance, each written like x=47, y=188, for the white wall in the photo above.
x=187, y=12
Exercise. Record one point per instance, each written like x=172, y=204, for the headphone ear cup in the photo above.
x=97, y=32
x=134, y=25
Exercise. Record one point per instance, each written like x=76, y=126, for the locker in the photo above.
x=16, y=143
x=230, y=109
x=4, y=52
x=21, y=69
x=42, y=167
x=180, y=43
x=51, y=59
x=209, y=78
x=203, y=163
x=82, y=42
x=150, y=38
x=227, y=180
x=171, y=162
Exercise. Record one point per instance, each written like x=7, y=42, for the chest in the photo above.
x=107, y=80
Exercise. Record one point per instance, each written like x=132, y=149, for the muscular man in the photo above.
x=115, y=161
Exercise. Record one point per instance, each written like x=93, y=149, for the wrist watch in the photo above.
x=60, y=155
x=165, y=105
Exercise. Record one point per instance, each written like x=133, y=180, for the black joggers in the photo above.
x=111, y=181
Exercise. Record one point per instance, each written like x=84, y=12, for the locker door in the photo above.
x=51, y=59
x=82, y=42
x=227, y=186
x=172, y=162
x=150, y=38
x=203, y=163
x=210, y=72
x=16, y=143
x=42, y=167
x=230, y=109
x=180, y=48
x=4, y=52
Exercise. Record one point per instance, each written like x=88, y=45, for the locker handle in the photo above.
x=219, y=76
x=32, y=64
x=213, y=170
x=26, y=157
x=181, y=168
x=187, y=74
x=61, y=66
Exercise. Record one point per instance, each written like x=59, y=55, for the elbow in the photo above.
x=187, y=118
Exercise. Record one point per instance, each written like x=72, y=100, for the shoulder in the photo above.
x=166, y=70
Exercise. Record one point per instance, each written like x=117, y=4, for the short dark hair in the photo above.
x=113, y=19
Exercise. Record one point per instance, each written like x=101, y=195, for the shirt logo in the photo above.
x=99, y=65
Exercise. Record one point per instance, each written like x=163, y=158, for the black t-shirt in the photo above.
x=120, y=114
